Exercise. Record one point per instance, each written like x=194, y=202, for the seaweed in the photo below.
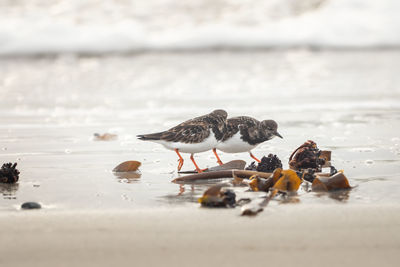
x=216, y=197
x=252, y=166
x=267, y=164
x=307, y=156
x=8, y=173
x=335, y=182
x=288, y=181
x=307, y=174
x=306, y=164
x=260, y=184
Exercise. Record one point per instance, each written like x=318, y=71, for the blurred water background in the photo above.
x=95, y=27
x=324, y=70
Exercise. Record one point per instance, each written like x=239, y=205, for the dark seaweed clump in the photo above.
x=8, y=173
x=252, y=167
x=267, y=164
x=306, y=156
x=229, y=198
x=309, y=174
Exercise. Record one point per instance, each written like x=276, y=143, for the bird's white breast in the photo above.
x=209, y=143
x=235, y=145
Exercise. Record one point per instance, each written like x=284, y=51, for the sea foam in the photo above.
x=71, y=29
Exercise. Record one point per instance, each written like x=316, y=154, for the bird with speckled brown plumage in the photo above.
x=192, y=136
x=245, y=133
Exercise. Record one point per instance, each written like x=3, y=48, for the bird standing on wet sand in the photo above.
x=245, y=133
x=193, y=136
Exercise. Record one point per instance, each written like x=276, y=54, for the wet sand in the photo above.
x=346, y=102
x=288, y=235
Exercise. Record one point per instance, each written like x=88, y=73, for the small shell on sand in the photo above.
x=128, y=166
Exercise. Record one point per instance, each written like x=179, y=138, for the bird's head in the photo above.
x=270, y=127
x=220, y=113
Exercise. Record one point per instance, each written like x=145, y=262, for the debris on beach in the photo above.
x=264, y=184
x=104, y=137
x=260, y=184
x=307, y=156
x=128, y=171
x=9, y=173
x=308, y=165
x=218, y=197
x=30, y=206
x=128, y=166
x=231, y=165
x=288, y=181
x=219, y=175
x=254, y=207
x=267, y=164
x=238, y=181
x=336, y=182
x=281, y=181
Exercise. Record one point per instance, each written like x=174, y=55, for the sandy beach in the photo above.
x=91, y=217
x=72, y=70
x=329, y=235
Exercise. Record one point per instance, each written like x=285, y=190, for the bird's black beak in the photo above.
x=277, y=134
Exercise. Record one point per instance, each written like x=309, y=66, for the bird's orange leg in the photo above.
x=180, y=160
x=251, y=155
x=195, y=164
x=218, y=159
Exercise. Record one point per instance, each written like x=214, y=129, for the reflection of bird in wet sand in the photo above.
x=245, y=133
x=193, y=136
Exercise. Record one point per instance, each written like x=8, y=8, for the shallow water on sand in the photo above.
x=347, y=102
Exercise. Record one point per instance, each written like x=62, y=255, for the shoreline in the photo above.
x=207, y=50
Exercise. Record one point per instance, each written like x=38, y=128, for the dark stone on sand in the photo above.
x=30, y=205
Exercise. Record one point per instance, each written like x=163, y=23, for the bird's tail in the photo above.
x=153, y=136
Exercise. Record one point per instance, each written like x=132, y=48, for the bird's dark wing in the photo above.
x=187, y=132
x=190, y=131
x=246, y=126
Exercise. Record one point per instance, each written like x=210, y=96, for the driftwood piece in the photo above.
x=231, y=165
x=220, y=175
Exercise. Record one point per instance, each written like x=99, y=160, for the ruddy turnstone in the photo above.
x=193, y=136
x=245, y=133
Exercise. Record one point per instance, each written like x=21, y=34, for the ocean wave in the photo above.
x=327, y=24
